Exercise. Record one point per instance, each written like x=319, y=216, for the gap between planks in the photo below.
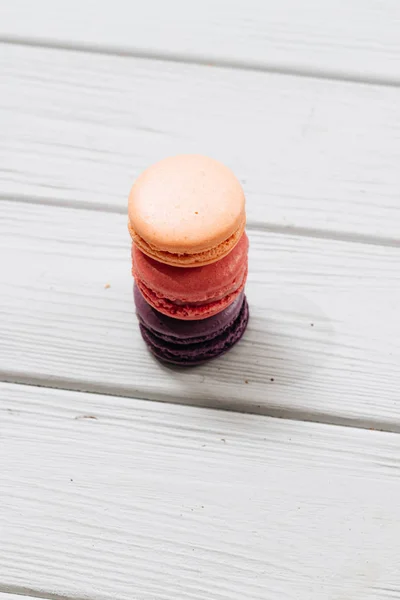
x=10, y=592
x=342, y=236
x=64, y=385
x=357, y=40
x=206, y=61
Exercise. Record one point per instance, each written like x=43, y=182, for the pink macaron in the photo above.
x=191, y=293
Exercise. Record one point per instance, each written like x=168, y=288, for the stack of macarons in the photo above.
x=189, y=258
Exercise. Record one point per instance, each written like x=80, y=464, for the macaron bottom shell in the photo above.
x=196, y=353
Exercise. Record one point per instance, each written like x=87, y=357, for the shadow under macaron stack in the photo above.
x=189, y=258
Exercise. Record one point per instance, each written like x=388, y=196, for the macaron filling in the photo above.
x=187, y=259
x=189, y=311
x=184, y=332
x=171, y=331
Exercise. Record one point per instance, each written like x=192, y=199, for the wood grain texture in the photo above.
x=323, y=341
x=110, y=498
x=346, y=39
x=314, y=157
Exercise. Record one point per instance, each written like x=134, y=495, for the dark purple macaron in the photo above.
x=191, y=342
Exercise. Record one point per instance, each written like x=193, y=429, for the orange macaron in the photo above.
x=187, y=211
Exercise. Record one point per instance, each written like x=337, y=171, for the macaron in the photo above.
x=186, y=211
x=183, y=343
x=192, y=293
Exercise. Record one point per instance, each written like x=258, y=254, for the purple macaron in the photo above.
x=191, y=342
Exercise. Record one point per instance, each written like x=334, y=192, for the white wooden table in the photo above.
x=119, y=479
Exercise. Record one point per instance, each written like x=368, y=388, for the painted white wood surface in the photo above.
x=104, y=497
x=323, y=342
x=314, y=156
x=112, y=498
x=345, y=38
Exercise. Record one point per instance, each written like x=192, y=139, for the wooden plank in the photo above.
x=314, y=156
x=323, y=342
x=355, y=38
x=146, y=500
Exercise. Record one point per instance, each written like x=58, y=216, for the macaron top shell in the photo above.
x=186, y=204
